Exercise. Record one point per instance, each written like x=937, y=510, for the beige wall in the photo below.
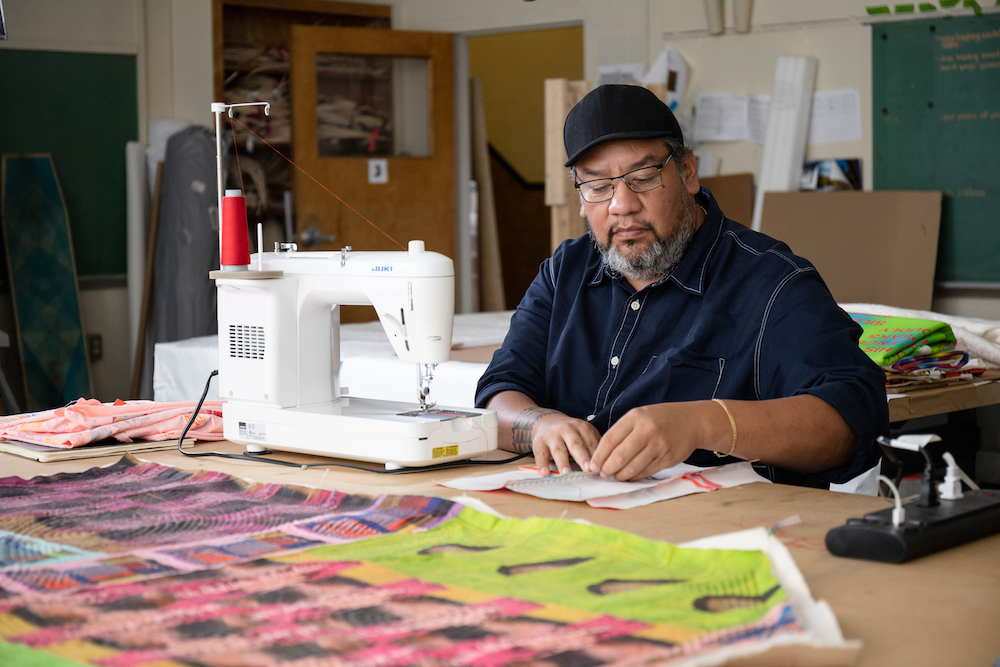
x=102, y=311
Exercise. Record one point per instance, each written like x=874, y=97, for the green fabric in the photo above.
x=888, y=339
x=16, y=655
x=610, y=555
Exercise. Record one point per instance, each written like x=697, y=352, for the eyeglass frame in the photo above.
x=622, y=178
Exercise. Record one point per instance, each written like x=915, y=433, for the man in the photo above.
x=670, y=333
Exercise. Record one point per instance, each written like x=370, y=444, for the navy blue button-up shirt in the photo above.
x=739, y=317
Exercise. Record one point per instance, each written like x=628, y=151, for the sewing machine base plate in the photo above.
x=365, y=430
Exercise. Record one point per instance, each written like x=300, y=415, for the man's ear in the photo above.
x=691, y=182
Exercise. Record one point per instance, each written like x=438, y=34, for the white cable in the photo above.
x=950, y=460
x=898, y=514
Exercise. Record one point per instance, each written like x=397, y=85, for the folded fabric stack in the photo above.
x=88, y=420
x=913, y=351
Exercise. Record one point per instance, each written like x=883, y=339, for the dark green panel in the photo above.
x=936, y=124
x=82, y=109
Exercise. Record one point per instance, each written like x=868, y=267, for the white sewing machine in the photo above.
x=279, y=356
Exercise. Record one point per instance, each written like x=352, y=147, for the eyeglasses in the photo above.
x=639, y=180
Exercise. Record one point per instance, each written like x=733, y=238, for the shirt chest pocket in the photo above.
x=680, y=374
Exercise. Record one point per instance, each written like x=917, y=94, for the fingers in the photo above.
x=608, y=444
x=626, y=460
x=645, y=440
x=561, y=458
x=571, y=440
x=542, y=458
x=582, y=443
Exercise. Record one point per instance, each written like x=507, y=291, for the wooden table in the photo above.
x=954, y=398
x=942, y=609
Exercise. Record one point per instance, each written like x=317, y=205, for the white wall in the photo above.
x=95, y=26
x=178, y=38
x=744, y=63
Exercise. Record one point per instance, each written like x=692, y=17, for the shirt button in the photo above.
x=635, y=305
x=590, y=418
x=614, y=361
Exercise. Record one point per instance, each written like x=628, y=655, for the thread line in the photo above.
x=264, y=141
x=237, y=152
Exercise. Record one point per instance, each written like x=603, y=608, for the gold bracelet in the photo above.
x=732, y=422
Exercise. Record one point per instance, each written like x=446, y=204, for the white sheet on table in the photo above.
x=369, y=367
x=599, y=492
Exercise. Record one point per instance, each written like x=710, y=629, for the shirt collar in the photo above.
x=689, y=274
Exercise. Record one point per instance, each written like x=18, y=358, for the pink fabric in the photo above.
x=88, y=420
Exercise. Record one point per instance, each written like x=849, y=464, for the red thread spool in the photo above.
x=235, y=251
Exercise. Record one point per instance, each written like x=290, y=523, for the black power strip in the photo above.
x=924, y=531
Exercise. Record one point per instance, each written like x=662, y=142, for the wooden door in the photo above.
x=372, y=112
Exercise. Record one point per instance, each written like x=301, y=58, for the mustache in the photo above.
x=637, y=224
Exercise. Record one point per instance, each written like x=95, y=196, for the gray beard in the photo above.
x=659, y=258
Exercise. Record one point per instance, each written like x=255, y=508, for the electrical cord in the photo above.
x=304, y=466
x=898, y=513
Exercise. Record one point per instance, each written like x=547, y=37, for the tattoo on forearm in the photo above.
x=524, y=423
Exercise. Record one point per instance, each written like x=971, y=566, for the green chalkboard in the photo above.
x=81, y=108
x=936, y=126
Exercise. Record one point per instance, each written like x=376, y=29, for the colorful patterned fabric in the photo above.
x=140, y=565
x=87, y=420
x=888, y=339
x=931, y=364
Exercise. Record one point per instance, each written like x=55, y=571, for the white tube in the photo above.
x=136, y=195
x=787, y=129
x=218, y=108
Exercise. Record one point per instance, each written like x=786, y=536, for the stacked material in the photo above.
x=88, y=420
x=259, y=74
x=913, y=351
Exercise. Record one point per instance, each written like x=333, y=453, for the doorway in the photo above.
x=512, y=68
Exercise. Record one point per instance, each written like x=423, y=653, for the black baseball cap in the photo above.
x=615, y=111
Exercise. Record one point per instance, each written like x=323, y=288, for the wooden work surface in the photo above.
x=938, y=610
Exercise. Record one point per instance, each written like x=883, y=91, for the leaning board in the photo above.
x=43, y=284
x=936, y=126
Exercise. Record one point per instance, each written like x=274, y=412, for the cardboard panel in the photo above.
x=870, y=247
x=734, y=194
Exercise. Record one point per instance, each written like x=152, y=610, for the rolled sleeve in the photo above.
x=519, y=364
x=811, y=347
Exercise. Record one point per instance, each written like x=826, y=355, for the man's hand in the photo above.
x=648, y=439
x=554, y=437
x=802, y=433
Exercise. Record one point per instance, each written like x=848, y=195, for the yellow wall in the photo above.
x=513, y=68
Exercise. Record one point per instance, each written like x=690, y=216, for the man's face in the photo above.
x=641, y=235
